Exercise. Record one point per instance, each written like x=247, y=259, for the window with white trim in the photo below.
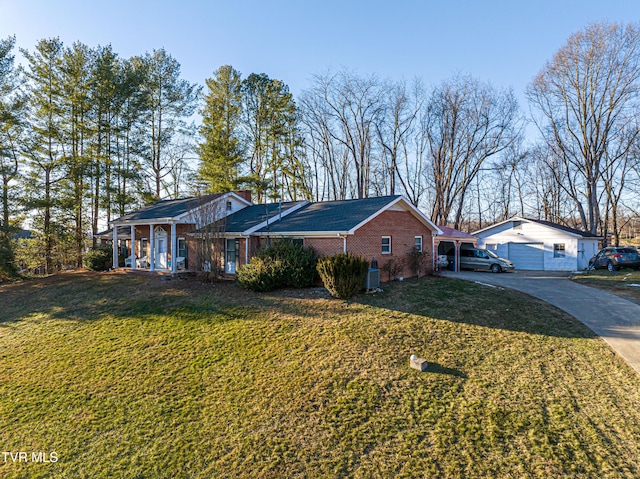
x=558, y=250
x=386, y=245
x=417, y=244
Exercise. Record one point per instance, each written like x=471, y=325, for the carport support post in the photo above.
x=457, y=255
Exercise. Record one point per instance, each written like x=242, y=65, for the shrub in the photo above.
x=393, y=268
x=7, y=263
x=298, y=263
x=98, y=259
x=261, y=274
x=418, y=261
x=281, y=263
x=343, y=274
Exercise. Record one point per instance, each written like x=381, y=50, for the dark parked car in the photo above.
x=616, y=256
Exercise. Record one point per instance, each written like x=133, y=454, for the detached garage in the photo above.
x=539, y=245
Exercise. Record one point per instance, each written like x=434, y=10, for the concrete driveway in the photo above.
x=614, y=319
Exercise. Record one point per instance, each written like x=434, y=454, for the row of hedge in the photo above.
x=284, y=263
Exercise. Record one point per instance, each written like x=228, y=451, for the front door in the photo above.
x=231, y=257
x=161, y=248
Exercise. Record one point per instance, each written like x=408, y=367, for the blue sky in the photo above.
x=504, y=42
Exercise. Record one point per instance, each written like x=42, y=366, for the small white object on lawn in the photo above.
x=418, y=363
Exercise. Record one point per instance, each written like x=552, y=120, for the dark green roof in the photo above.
x=251, y=216
x=330, y=216
x=123, y=231
x=167, y=208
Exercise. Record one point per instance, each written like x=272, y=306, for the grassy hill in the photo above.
x=127, y=375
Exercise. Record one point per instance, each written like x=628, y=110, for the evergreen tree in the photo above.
x=170, y=100
x=221, y=151
x=12, y=103
x=45, y=148
x=76, y=75
x=272, y=137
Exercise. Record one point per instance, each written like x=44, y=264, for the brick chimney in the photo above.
x=246, y=194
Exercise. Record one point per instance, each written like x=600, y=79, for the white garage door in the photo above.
x=527, y=256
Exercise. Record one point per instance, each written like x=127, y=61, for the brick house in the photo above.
x=157, y=237
x=385, y=229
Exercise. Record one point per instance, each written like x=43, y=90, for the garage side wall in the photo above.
x=531, y=246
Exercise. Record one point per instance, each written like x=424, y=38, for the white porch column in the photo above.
x=434, y=254
x=115, y=246
x=133, y=247
x=174, y=247
x=152, y=249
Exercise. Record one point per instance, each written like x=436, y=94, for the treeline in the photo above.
x=457, y=149
x=86, y=136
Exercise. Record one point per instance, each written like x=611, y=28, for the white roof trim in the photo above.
x=519, y=218
x=306, y=234
x=216, y=200
x=155, y=221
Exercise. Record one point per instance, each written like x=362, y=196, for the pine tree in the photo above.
x=45, y=148
x=76, y=75
x=221, y=151
x=272, y=135
x=12, y=103
x=170, y=100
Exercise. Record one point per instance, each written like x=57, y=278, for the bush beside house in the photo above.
x=281, y=263
x=343, y=274
x=98, y=259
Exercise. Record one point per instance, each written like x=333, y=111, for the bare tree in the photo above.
x=584, y=97
x=467, y=122
x=348, y=107
x=395, y=127
x=328, y=157
x=208, y=238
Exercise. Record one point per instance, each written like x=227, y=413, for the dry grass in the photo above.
x=129, y=376
x=624, y=283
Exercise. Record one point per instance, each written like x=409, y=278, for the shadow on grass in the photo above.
x=435, y=368
x=83, y=296
x=460, y=301
x=86, y=296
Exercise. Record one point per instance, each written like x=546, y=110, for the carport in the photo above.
x=456, y=240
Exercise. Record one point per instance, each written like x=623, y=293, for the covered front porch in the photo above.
x=154, y=247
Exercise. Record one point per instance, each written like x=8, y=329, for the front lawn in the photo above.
x=625, y=282
x=126, y=375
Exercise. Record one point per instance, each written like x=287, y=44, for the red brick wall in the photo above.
x=325, y=246
x=246, y=194
x=403, y=227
